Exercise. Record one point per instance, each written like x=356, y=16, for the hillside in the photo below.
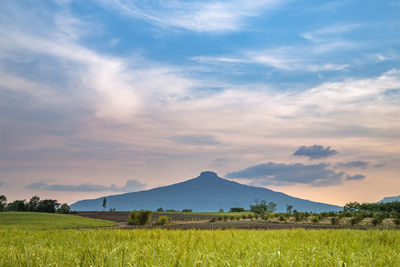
x=389, y=199
x=208, y=192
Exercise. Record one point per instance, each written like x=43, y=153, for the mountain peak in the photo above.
x=208, y=175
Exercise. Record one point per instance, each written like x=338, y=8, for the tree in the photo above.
x=33, y=203
x=64, y=208
x=3, y=202
x=48, y=205
x=262, y=207
x=289, y=208
x=17, y=205
x=104, y=203
x=160, y=209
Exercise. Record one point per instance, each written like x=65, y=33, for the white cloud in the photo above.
x=199, y=16
x=320, y=35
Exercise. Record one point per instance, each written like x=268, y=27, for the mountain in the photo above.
x=389, y=199
x=208, y=192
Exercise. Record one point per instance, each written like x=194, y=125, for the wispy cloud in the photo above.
x=353, y=164
x=287, y=58
x=199, y=16
x=322, y=34
x=130, y=186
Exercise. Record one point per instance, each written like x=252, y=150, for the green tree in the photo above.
x=104, y=203
x=48, y=205
x=3, y=202
x=262, y=207
x=289, y=208
x=17, y=205
x=33, y=203
x=64, y=208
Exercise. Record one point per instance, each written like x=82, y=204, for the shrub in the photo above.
x=187, y=210
x=244, y=216
x=236, y=209
x=225, y=218
x=140, y=217
x=378, y=219
x=213, y=219
x=163, y=220
x=64, y=208
x=219, y=218
x=396, y=221
x=356, y=219
x=315, y=219
x=334, y=220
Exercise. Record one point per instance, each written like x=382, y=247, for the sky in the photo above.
x=111, y=96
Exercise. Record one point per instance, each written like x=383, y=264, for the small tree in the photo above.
x=64, y=208
x=104, y=203
x=33, y=203
x=160, y=209
x=187, y=210
x=289, y=208
x=3, y=202
x=262, y=207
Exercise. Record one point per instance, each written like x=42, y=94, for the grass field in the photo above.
x=157, y=247
x=47, y=221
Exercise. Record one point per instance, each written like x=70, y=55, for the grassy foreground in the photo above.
x=47, y=221
x=200, y=248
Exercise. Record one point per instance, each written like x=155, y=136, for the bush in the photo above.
x=378, y=219
x=163, y=220
x=187, y=210
x=140, y=217
x=64, y=208
x=315, y=219
x=236, y=209
x=396, y=221
x=213, y=219
x=356, y=219
x=334, y=220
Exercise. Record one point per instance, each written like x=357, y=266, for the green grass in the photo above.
x=200, y=248
x=46, y=221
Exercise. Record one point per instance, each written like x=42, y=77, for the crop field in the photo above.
x=47, y=221
x=156, y=247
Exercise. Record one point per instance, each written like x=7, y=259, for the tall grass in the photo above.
x=199, y=248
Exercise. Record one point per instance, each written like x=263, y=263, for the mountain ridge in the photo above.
x=207, y=192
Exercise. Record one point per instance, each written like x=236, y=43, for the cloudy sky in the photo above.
x=110, y=96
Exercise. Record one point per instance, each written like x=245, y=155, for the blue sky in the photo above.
x=95, y=95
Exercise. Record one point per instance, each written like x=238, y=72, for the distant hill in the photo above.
x=208, y=192
x=389, y=199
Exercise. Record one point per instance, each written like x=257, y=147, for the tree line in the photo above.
x=35, y=204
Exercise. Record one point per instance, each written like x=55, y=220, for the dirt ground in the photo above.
x=196, y=221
